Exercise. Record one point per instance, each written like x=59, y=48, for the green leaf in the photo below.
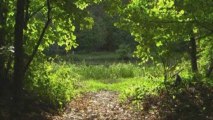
x=159, y=43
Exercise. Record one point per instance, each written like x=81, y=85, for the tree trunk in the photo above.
x=193, y=54
x=2, y=42
x=19, y=51
x=210, y=69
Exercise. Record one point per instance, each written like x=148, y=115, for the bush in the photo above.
x=53, y=84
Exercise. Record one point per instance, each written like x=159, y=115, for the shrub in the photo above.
x=53, y=84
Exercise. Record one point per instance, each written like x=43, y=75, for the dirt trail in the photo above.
x=103, y=105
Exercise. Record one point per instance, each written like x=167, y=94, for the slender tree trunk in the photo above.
x=210, y=69
x=19, y=51
x=2, y=42
x=193, y=54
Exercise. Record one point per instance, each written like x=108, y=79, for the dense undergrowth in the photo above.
x=188, y=101
x=56, y=83
x=52, y=85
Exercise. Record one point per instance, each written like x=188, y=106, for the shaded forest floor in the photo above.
x=102, y=105
x=192, y=102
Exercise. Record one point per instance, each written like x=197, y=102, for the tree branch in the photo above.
x=35, y=50
x=202, y=24
x=29, y=15
x=204, y=36
x=34, y=13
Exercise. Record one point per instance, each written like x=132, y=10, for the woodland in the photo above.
x=106, y=60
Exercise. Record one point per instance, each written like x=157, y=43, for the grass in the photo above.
x=59, y=82
x=94, y=58
x=126, y=87
x=124, y=78
x=109, y=72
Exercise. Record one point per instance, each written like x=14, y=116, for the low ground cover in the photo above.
x=138, y=87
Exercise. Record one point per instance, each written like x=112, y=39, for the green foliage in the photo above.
x=104, y=36
x=53, y=83
x=63, y=22
x=124, y=70
x=135, y=88
x=111, y=72
x=58, y=83
x=63, y=18
x=124, y=51
x=206, y=53
x=163, y=28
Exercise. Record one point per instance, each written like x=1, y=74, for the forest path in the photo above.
x=102, y=105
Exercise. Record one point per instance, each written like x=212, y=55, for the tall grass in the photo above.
x=109, y=72
x=58, y=83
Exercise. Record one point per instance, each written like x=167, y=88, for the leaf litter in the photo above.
x=102, y=105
